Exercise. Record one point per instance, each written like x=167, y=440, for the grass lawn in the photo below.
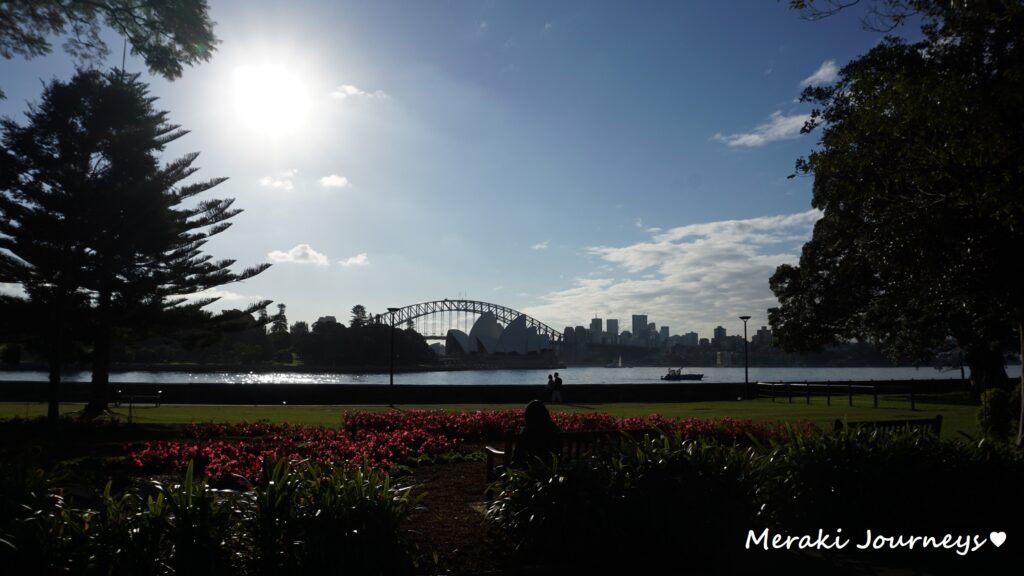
x=959, y=413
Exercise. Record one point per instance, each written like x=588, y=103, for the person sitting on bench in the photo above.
x=538, y=438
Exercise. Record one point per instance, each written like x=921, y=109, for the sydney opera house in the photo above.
x=487, y=337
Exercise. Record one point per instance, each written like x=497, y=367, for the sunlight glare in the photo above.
x=270, y=100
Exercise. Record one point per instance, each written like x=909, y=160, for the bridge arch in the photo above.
x=504, y=314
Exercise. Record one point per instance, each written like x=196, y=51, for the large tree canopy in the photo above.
x=87, y=212
x=167, y=35
x=918, y=175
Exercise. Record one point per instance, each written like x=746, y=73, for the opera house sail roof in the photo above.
x=488, y=337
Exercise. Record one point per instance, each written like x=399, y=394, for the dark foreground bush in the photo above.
x=659, y=501
x=302, y=519
x=994, y=415
x=906, y=482
x=315, y=518
x=692, y=503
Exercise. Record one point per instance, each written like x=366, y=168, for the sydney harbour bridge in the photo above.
x=433, y=319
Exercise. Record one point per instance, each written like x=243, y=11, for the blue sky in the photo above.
x=565, y=159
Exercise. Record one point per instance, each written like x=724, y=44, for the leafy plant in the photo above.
x=320, y=518
x=906, y=482
x=199, y=519
x=994, y=415
x=127, y=535
x=272, y=521
x=663, y=495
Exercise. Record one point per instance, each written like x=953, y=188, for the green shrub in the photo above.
x=326, y=519
x=665, y=499
x=663, y=496
x=302, y=519
x=199, y=521
x=126, y=534
x=38, y=532
x=273, y=519
x=894, y=482
x=994, y=414
x=1015, y=402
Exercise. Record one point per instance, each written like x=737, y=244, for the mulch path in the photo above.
x=449, y=524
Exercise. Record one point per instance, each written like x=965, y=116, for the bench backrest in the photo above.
x=578, y=444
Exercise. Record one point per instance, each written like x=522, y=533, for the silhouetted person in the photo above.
x=538, y=438
x=551, y=387
x=556, y=389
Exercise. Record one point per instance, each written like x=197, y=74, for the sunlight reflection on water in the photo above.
x=570, y=376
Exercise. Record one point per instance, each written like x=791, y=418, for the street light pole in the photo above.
x=746, y=359
x=391, y=385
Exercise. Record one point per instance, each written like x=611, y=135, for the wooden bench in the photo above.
x=133, y=399
x=933, y=425
x=575, y=446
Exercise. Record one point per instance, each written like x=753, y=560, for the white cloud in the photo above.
x=824, y=75
x=12, y=289
x=281, y=180
x=335, y=181
x=692, y=277
x=223, y=295
x=360, y=259
x=351, y=91
x=778, y=127
x=541, y=245
x=483, y=26
x=301, y=254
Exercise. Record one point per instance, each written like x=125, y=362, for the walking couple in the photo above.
x=554, y=388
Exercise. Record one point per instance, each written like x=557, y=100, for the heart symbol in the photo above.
x=997, y=538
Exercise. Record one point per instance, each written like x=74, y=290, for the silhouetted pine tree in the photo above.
x=88, y=211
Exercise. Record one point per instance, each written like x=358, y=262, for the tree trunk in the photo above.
x=1020, y=422
x=988, y=368
x=53, y=389
x=56, y=347
x=99, y=395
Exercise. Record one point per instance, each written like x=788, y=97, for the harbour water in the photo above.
x=637, y=375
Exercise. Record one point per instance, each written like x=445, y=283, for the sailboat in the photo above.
x=614, y=364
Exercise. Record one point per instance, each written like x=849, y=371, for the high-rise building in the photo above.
x=763, y=337
x=664, y=334
x=639, y=325
x=613, y=329
x=690, y=339
x=719, y=338
x=595, y=330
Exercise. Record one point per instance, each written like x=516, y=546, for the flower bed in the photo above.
x=227, y=452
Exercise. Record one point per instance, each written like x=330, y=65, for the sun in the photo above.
x=270, y=100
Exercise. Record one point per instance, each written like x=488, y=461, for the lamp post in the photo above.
x=391, y=385
x=746, y=360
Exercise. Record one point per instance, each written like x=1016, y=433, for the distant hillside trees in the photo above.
x=244, y=341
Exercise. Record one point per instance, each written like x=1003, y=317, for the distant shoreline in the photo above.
x=270, y=369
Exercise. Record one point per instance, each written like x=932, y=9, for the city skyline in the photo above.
x=559, y=159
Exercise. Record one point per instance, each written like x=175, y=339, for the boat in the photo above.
x=678, y=374
x=616, y=365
